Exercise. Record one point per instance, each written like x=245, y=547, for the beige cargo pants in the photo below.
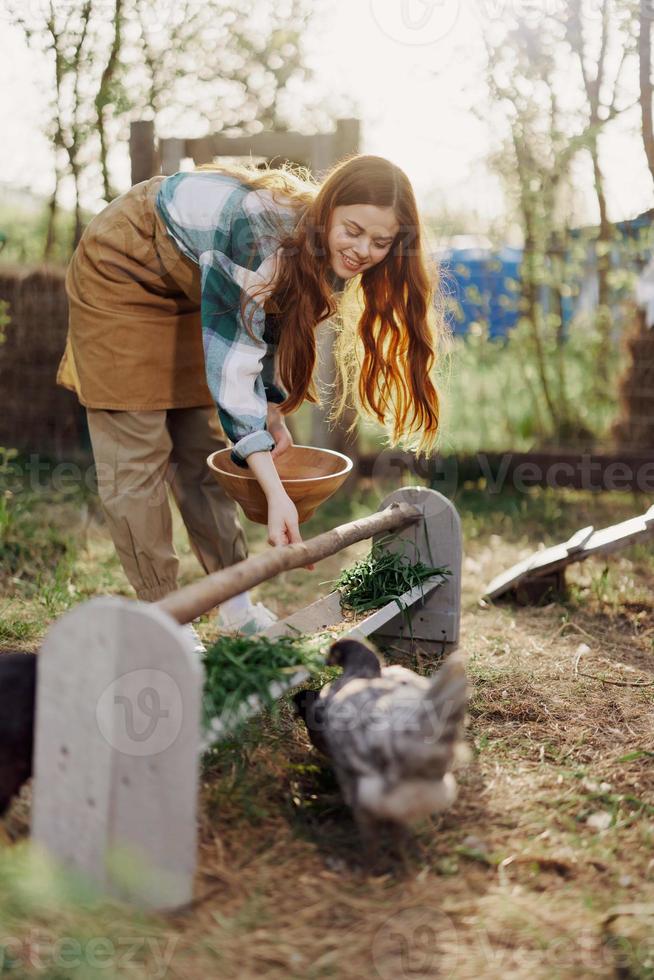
x=138, y=456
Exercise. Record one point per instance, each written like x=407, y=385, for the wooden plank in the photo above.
x=506, y=580
x=544, y=559
x=72, y=765
x=436, y=541
x=392, y=615
x=346, y=138
x=321, y=615
x=322, y=155
x=326, y=614
x=200, y=150
x=582, y=545
x=155, y=778
x=617, y=536
x=287, y=146
x=579, y=539
x=116, y=755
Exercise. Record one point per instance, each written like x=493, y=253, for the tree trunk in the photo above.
x=557, y=277
x=532, y=312
x=645, y=62
x=103, y=97
x=603, y=255
x=53, y=208
x=79, y=224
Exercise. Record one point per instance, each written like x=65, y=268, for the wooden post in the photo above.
x=116, y=754
x=172, y=153
x=346, y=138
x=436, y=540
x=142, y=150
x=321, y=158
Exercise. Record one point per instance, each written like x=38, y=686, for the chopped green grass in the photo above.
x=382, y=577
x=240, y=668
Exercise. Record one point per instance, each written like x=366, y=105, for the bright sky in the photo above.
x=412, y=66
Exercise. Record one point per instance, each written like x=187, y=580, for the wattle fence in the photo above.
x=37, y=416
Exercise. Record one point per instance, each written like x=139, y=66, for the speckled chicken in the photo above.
x=17, y=709
x=390, y=734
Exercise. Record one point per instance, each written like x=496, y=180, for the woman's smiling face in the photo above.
x=359, y=236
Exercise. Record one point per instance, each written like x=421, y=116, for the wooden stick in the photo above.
x=194, y=600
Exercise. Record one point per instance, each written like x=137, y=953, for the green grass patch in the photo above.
x=16, y=629
x=37, y=552
x=56, y=925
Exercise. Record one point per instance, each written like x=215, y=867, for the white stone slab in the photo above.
x=116, y=754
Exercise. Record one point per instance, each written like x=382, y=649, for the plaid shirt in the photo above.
x=232, y=233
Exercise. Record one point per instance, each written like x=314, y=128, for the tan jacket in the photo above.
x=134, y=339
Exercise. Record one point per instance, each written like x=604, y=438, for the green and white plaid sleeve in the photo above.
x=230, y=232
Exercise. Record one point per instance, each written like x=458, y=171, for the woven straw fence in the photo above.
x=36, y=415
x=634, y=426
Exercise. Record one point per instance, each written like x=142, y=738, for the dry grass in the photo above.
x=517, y=880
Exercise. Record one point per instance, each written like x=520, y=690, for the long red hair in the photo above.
x=389, y=318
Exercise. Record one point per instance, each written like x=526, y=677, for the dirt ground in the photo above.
x=544, y=867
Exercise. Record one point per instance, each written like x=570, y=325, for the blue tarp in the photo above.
x=482, y=285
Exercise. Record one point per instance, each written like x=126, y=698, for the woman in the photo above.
x=204, y=290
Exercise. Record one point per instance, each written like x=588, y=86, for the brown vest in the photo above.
x=134, y=339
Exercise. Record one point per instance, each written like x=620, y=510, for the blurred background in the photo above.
x=525, y=128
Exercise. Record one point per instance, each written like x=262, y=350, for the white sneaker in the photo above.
x=252, y=620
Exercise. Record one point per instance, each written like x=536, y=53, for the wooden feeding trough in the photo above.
x=118, y=727
x=543, y=572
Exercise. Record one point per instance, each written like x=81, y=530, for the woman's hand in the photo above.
x=283, y=525
x=278, y=430
x=282, y=513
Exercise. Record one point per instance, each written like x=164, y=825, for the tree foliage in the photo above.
x=221, y=65
x=554, y=85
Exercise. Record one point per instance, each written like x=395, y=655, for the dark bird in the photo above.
x=390, y=734
x=17, y=711
x=310, y=708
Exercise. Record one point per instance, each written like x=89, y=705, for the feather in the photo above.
x=390, y=734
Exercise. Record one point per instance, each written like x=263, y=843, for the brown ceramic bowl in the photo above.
x=308, y=475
